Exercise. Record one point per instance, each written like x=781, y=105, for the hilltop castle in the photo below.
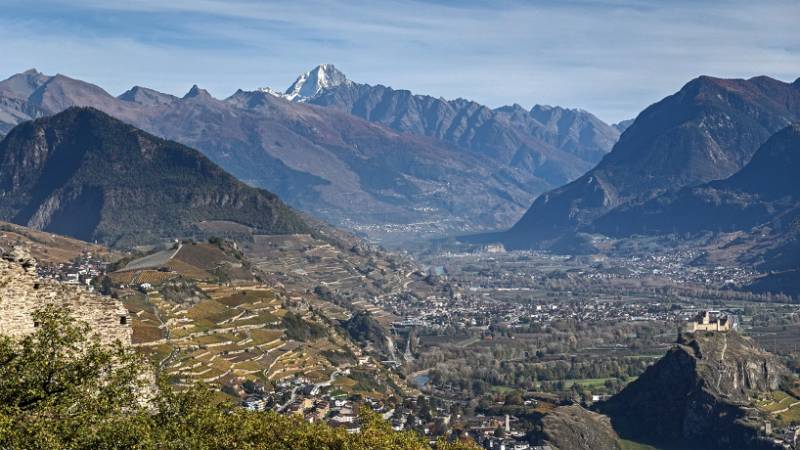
x=709, y=321
x=22, y=292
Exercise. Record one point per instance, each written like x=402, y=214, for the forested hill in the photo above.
x=84, y=174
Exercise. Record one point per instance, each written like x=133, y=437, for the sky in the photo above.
x=611, y=57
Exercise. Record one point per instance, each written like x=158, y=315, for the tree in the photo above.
x=60, y=388
x=105, y=285
x=60, y=385
x=514, y=398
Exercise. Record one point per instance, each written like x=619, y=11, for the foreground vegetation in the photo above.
x=59, y=388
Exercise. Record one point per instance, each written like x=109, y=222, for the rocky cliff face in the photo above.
x=84, y=174
x=699, y=395
x=575, y=428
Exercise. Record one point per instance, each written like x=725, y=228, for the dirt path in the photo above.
x=722, y=358
x=166, y=361
x=785, y=409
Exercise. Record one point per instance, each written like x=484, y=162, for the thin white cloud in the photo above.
x=612, y=58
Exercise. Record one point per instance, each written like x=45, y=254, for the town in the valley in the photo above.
x=455, y=343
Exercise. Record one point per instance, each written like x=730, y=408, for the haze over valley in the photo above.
x=400, y=256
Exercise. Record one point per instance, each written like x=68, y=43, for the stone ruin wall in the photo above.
x=22, y=292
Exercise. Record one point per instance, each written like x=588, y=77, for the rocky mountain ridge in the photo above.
x=763, y=190
x=341, y=168
x=554, y=143
x=707, y=131
x=87, y=175
x=509, y=132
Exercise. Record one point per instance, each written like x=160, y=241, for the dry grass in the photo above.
x=153, y=277
x=188, y=270
x=146, y=333
x=210, y=310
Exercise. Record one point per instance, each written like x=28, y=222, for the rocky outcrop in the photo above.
x=22, y=292
x=19, y=255
x=700, y=395
x=575, y=428
x=363, y=328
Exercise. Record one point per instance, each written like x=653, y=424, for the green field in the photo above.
x=593, y=382
x=502, y=389
x=630, y=445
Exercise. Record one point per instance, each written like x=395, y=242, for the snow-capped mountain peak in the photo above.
x=311, y=83
x=270, y=91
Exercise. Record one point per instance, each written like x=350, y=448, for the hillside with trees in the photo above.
x=59, y=388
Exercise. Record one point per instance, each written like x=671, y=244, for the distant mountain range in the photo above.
x=445, y=166
x=84, y=174
x=707, y=131
x=570, y=139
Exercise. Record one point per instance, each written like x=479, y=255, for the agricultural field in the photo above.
x=782, y=406
x=222, y=327
x=357, y=279
x=233, y=332
x=191, y=260
x=780, y=338
x=48, y=248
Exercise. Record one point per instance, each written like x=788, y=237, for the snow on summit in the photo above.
x=311, y=83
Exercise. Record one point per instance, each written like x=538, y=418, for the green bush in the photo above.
x=61, y=389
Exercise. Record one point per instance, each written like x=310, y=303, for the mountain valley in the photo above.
x=515, y=225
x=559, y=333
x=462, y=168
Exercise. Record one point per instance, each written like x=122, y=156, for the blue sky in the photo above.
x=611, y=57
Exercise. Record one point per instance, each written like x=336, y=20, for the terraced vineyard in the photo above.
x=197, y=261
x=301, y=262
x=48, y=248
x=234, y=332
x=201, y=312
x=782, y=406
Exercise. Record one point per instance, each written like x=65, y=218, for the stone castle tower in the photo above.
x=710, y=321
